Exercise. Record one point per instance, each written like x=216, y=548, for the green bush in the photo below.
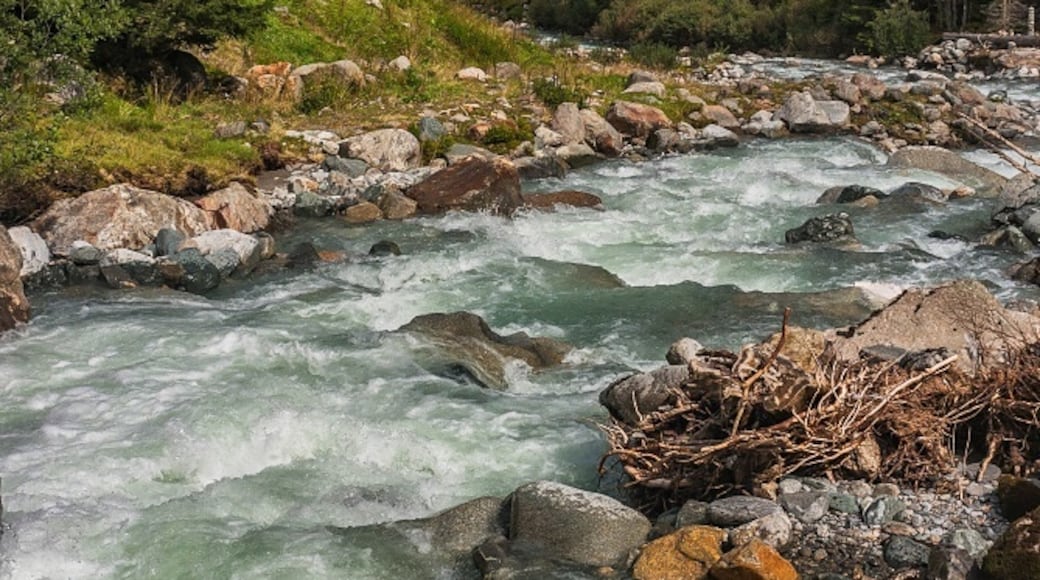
x=897, y=30
x=324, y=88
x=654, y=55
x=553, y=93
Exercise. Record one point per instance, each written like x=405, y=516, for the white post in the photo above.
x=1032, y=21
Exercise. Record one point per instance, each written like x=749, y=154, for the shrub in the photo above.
x=553, y=93
x=654, y=54
x=897, y=30
x=324, y=88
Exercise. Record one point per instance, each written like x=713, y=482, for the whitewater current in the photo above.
x=156, y=434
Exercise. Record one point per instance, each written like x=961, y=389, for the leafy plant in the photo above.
x=554, y=93
x=654, y=55
x=897, y=30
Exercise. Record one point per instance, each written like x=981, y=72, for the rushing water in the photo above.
x=157, y=434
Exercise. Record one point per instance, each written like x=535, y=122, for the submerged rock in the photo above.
x=463, y=343
x=14, y=307
x=948, y=163
x=830, y=228
x=570, y=198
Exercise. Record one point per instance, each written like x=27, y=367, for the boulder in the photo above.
x=462, y=528
x=753, y=561
x=474, y=184
x=918, y=192
x=246, y=248
x=903, y=552
x=124, y=268
x=189, y=270
x=773, y=529
x=577, y=155
x=654, y=88
x=683, y=555
x=460, y=152
x=463, y=343
x=720, y=116
x=14, y=307
x=640, y=76
x=961, y=317
x=385, y=149
x=717, y=136
x=384, y=248
x=631, y=397
x=850, y=194
x=365, y=212
x=347, y=71
x=35, y=255
x=948, y=163
x=806, y=506
x=740, y=509
x=118, y=216
x=84, y=254
x=603, y=137
x=396, y=206
x=168, y=242
x=636, y=119
x=471, y=74
x=540, y=167
x=567, y=121
x=831, y=228
x=400, y=64
x=505, y=71
x=1015, y=555
x=803, y=114
x=430, y=129
x=576, y=525
x=349, y=167
x=236, y=208
x=569, y=198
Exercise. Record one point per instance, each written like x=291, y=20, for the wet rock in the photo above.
x=35, y=255
x=1018, y=495
x=471, y=185
x=740, y=509
x=576, y=525
x=603, y=137
x=831, y=228
x=384, y=248
x=919, y=320
x=753, y=561
x=918, y=192
x=303, y=255
x=1012, y=238
x=14, y=307
x=630, y=398
x=396, y=206
x=310, y=204
x=569, y=198
x=363, y=213
x=568, y=123
x=903, y=552
x=245, y=249
x=118, y=216
x=385, y=149
x=84, y=254
x=236, y=208
x=803, y=114
x=462, y=528
x=124, y=268
x=663, y=140
x=464, y=343
x=687, y=553
x=946, y=162
x=717, y=136
x=850, y=194
x=190, y=270
x=635, y=119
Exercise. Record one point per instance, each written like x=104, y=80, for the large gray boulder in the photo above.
x=14, y=307
x=804, y=114
x=575, y=525
x=568, y=123
x=960, y=318
x=245, y=248
x=385, y=149
x=603, y=137
x=634, y=396
x=948, y=163
x=473, y=184
x=462, y=343
x=118, y=216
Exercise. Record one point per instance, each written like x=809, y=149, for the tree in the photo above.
x=898, y=30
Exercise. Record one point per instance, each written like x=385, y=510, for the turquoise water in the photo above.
x=157, y=434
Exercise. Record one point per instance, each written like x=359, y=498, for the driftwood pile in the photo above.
x=744, y=420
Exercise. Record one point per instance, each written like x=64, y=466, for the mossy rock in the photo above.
x=1016, y=554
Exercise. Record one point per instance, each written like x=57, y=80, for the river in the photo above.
x=157, y=434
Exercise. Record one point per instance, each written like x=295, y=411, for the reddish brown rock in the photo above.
x=687, y=554
x=753, y=561
x=572, y=198
x=236, y=208
x=363, y=213
x=603, y=137
x=118, y=216
x=473, y=184
x=636, y=119
x=14, y=307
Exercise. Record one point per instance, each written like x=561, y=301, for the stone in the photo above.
x=507, y=71
x=463, y=527
x=191, y=271
x=803, y=114
x=635, y=119
x=349, y=167
x=540, y=167
x=630, y=398
x=968, y=540
x=84, y=254
x=168, y=242
x=463, y=343
x=460, y=152
x=692, y=513
x=918, y=192
x=603, y=137
x=1015, y=555
x=118, y=216
x=365, y=212
x=654, y=88
x=663, y=140
x=683, y=351
x=245, y=248
x=35, y=255
x=546, y=137
x=773, y=529
x=401, y=63
x=739, y=509
x=849, y=194
x=889, y=489
x=568, y=123
x=124, y=268
x=717, y=136
x=721, y=116
x=948, y=163
x=844, y=503
x=568, y=198
x=831, y=228
x=384, y=149
x=309, y=204
x=807, y=507
x=576, y=525
x=1017, y=495
x=236, y=208
x=430, y=129
x=882, y=510
x=848, y=92
x=640, y=76
x=683, y=555
x=903, y=552
x=926, y=319
x=753, y=561
x=471, y=185
x=396, y=205
x=230, y=130
x=471, y=74
x=384, y=248
x=577, y=155
x=14, y=306
x=949, y=563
